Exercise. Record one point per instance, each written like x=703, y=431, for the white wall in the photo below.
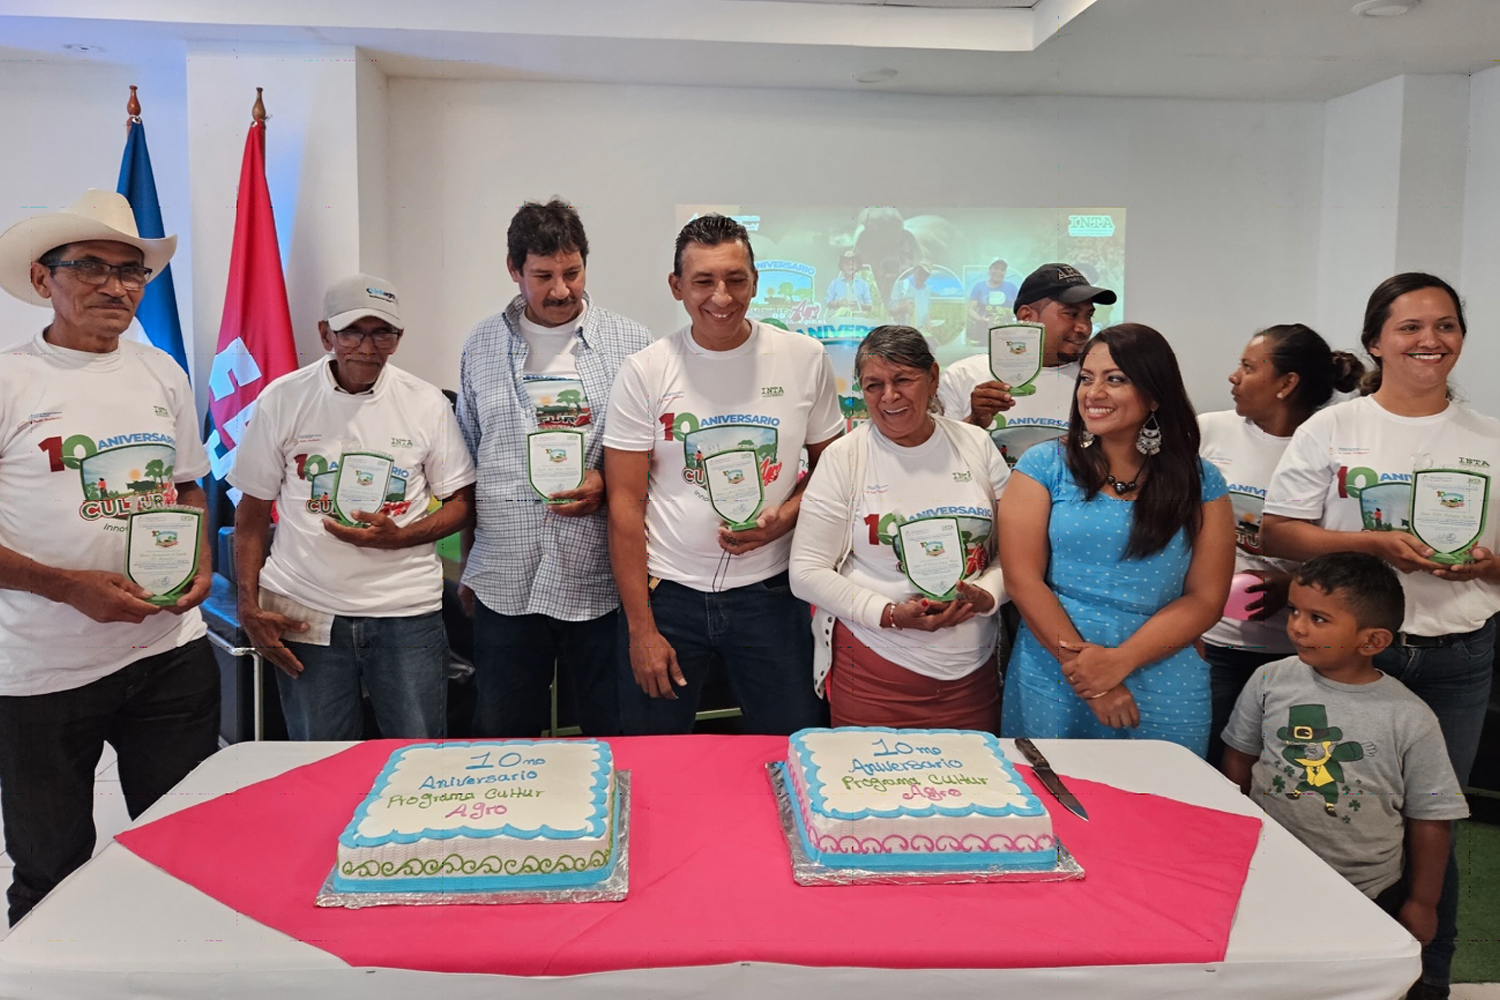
x=372, y=101
x=1434, y=132
x=64, y=126
x=1480, y=368
x=1361, y=203
x=312, y=170
x=1222, y=197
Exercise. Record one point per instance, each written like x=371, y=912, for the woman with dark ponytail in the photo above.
x=1285, y=373
x=1346, y=482
x=1117, y=548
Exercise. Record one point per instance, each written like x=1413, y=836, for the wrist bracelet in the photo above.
x=892, y=609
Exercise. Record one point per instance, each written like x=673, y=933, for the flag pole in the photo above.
x=156, y=313
x=255, y=345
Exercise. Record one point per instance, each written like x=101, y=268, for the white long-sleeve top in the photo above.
x=845, y=553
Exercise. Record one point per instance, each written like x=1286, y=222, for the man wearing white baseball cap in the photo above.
x=95, y=429
x=352, y=450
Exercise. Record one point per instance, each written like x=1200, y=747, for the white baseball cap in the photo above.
x=359, y=296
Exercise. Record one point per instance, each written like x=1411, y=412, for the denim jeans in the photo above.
x=1229, y=667
x=514, y=660
x=763, y=635
x=400, y=662
x=1454, y=681
x=161, y=714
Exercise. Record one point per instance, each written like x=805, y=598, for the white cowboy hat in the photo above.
x=98, y=215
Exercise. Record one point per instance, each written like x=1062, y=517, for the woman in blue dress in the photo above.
x=1117, y=545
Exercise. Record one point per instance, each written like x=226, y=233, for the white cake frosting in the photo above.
x=913, y=799
x=482, y=816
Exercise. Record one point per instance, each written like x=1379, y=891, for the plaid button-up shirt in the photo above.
x=525, y=560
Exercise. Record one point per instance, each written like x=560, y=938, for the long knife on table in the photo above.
x=1049, y=778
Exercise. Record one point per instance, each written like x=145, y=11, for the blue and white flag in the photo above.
x=157, y=313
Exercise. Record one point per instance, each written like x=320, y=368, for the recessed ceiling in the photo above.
x=1265, y=50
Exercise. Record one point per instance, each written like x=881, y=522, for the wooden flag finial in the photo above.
x=132, y=107
x=258, y=112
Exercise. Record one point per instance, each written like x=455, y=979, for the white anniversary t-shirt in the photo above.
x=1349, y=468
x=773, y=394
x=84, y=440
x=905, y=484
x=303, y=425
x=1247, y=456
x=1041, y=416
x=550, y=376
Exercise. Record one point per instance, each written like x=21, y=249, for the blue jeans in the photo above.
x=1454, y=681
x=1229, y=667
x=400, y=662
x=514, y=660
x=763, y=635
x=161, y=714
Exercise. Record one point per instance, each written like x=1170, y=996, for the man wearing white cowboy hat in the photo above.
x=93, y=429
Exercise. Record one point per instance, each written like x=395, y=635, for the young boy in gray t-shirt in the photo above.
x=1343, y=756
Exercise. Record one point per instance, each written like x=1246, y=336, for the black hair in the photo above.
x=1171, y=498
x=545, y=230
x=711, y=230
x=1369, y=585
x=53, y=257
x=1297, y=349
x=1378, y=312
x=899, y=345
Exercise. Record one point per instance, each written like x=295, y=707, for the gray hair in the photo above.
x=903, y=346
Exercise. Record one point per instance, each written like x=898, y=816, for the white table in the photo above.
x=121, y=928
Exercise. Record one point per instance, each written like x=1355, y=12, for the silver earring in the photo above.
x=1085, y=439
x=1148, y=442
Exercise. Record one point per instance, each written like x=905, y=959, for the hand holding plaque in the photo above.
x=554, y=462
x=361, y=483
x=161, y=551
x=932, y=554
x=1449, y=509
x=734, y=486
x=1016, y=355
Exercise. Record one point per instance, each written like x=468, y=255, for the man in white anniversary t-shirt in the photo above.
x=693, y=588
x=352, y=450
x=95, y=428
x=1061, y=299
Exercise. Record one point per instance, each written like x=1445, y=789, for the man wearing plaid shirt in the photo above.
x=537, y=574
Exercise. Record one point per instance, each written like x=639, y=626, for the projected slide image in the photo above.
x=836, y=272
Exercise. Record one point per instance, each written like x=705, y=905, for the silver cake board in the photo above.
x=805, y=871
x=611, y=890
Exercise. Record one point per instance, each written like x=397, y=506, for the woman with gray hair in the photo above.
x=895, y=545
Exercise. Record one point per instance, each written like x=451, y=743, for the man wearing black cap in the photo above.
x=1061, y=299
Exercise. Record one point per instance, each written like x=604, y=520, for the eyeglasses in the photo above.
x=384, y=338
x=95, y=272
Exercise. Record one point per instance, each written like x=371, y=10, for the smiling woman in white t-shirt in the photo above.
x=1345, y=483
x=1285, y=374
x=898, y=658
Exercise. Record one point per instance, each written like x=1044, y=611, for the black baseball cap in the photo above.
x=1064, y=283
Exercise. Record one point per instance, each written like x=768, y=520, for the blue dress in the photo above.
x=1108, y=597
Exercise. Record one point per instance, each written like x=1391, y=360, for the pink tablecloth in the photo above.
x=710, y=881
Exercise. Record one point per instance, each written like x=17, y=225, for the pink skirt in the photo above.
x=866, y=689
